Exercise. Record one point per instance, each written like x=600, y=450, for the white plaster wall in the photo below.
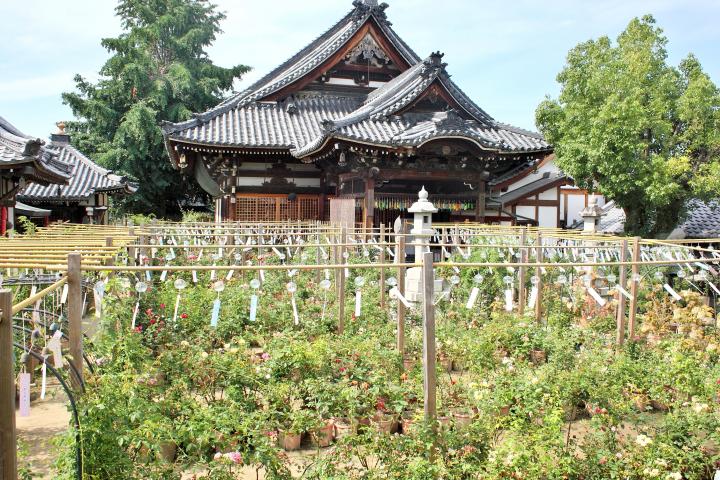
x=576, y=203
x=548, y=217
x=549, y=194
x=527, y=212
x=548, y=167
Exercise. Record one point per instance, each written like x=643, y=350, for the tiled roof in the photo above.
x=703, y=220
x=305, y=123
x=539, y=185
x=612, y=220
x=310, y=57
x=87, y=178
x=17, y=149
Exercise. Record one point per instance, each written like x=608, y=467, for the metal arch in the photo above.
x=72, y=367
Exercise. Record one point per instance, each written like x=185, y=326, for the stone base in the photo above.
x=414, y=284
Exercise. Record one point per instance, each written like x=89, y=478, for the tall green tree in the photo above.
x=158, y=70
x=636, y=129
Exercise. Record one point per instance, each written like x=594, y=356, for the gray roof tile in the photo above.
x=245, y=121
x=87, y=178
x=17, y=149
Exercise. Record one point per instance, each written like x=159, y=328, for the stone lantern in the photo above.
x=422, y=231
x=591, y=215
x=422, y=211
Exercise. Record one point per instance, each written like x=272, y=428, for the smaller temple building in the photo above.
x=85, y=198
x=23, y=160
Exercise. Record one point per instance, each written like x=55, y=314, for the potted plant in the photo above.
x=296, y=423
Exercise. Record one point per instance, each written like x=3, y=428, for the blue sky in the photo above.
x=504, y=53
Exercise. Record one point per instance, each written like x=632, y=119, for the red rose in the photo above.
x=183, y=315
x=162, y=305
x=152, y=321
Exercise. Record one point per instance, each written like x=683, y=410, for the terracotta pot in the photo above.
x=462, y=419
x=538, y=357
x=445, y=421
x=504, y=411
x=167, y=452
x=323, y=437
x=383, y=423
x=344, y=428
x=289, y=441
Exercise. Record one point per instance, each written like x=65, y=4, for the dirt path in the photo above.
x=48, y=418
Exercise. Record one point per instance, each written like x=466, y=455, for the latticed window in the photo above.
x=276, y=208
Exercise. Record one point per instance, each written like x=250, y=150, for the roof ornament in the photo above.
x=435, y=60
x=32, y=147
x=61, y=128
x=368, y=7
x=328, y=125
x=448, y=120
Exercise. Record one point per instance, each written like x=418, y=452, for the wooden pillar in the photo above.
x=634, y=288
x=480, y=205
x=429, y=354
x=143, y=249
x=75, y=308
x=400, y=258
x=109, y=244
x=622, y=281
x=131, y=249
x=341, y=282
x=318, y=253
x=369, y=219
x=381, y=240
x=538, y=273
x=522, y=274
x=8, y=440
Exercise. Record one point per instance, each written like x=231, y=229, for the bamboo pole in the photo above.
x=38, y=296
x=8, y=440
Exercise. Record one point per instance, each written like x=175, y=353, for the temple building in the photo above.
x=358, y=117
x=85, y=197
x=23, y=160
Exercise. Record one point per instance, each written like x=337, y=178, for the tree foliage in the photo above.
x=636, y=129
x=158, y=70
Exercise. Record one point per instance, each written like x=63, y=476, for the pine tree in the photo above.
x=158, y=70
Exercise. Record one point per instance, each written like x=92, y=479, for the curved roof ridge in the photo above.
x=299, y=64
x=521, y=131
